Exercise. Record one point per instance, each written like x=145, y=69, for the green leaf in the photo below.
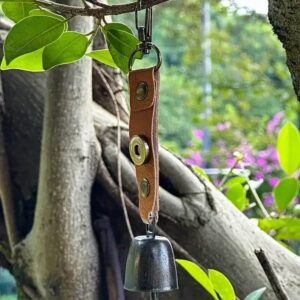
x=288, y=147
x=120, y=60
x=124, y=42
x=198, y=170
x=256, y=295
x=30, y=34
x=28, y=62
x=284, y=228
x=199, y=275
x=237, y=195
x=17, y=11
x=234, y=181
x=285, y=192
x=17, y=1
x=70, y=47
x=117, y=26
x=121, y=44
x=103, y=56
x=44, y=12
x=221, y=285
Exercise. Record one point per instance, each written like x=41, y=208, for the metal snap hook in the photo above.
x=152, y=46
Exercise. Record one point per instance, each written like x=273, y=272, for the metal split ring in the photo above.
x=151, y=46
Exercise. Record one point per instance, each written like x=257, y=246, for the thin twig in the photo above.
x=224, y=179
x=86, y=6
x=97, y=3
x=275, y=284
x=257, y=199
x=97, y=12
x=255, y=195
x=120, y=183
x=6, y=197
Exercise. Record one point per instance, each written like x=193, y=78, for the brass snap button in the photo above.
x=141, y=91
x=145, y=188
x=138, y=150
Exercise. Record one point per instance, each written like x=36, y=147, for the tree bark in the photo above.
x=59, y=257
x=193, y=212
x=284, y=17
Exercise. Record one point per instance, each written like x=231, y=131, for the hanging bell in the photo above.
x=150, y=265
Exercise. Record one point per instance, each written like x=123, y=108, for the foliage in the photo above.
x=282, y=221
x=40, y=40
x=215, y=282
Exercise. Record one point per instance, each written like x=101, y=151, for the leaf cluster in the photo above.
x=40, y=40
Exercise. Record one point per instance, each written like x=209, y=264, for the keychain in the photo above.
x=150, y=264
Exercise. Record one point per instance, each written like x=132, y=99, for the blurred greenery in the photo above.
x=249, y=77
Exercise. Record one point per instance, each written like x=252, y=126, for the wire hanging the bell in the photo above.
x=150, y=265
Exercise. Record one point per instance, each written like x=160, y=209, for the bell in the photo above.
x=150, y=265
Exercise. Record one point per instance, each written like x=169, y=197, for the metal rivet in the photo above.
x=145, y=188
x=141, y=91
x=138, y=150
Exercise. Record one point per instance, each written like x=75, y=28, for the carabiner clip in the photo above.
x=144, y=31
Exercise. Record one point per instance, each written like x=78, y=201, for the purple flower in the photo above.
x=268, y=199
x=259, y=176
x=261, y=162
x=274, y=122
x=267, y=169
x=230, y=162
x=198, y=133
x=223, y=126
x=195, y=159
x=273, y=181
x=221, y=144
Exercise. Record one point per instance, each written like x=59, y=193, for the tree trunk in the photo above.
x=59, y=256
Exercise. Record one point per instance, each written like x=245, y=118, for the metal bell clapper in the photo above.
x=150, y=265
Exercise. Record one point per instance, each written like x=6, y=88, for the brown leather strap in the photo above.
x=143, y=123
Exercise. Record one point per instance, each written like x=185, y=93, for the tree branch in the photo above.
x=266, y=265
x=97, y=12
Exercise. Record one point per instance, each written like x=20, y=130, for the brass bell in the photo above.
x=150, y=265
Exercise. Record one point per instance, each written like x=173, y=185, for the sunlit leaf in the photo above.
x=30, y=34
x=103, y=56
x=285, y=192
x=122, y=41
x=199, y=275
x=70, y=47
x=44, y=12
x=28, y=62
x=284, y=228
x=121, y=44
x=234, y=181
x=288, y=147
x=256, y=295
x=221, y=285
x=237, y=195
x=198, y=170
x=17, y=11
x=117, y=26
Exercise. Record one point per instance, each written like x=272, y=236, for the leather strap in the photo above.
x=143, y=123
